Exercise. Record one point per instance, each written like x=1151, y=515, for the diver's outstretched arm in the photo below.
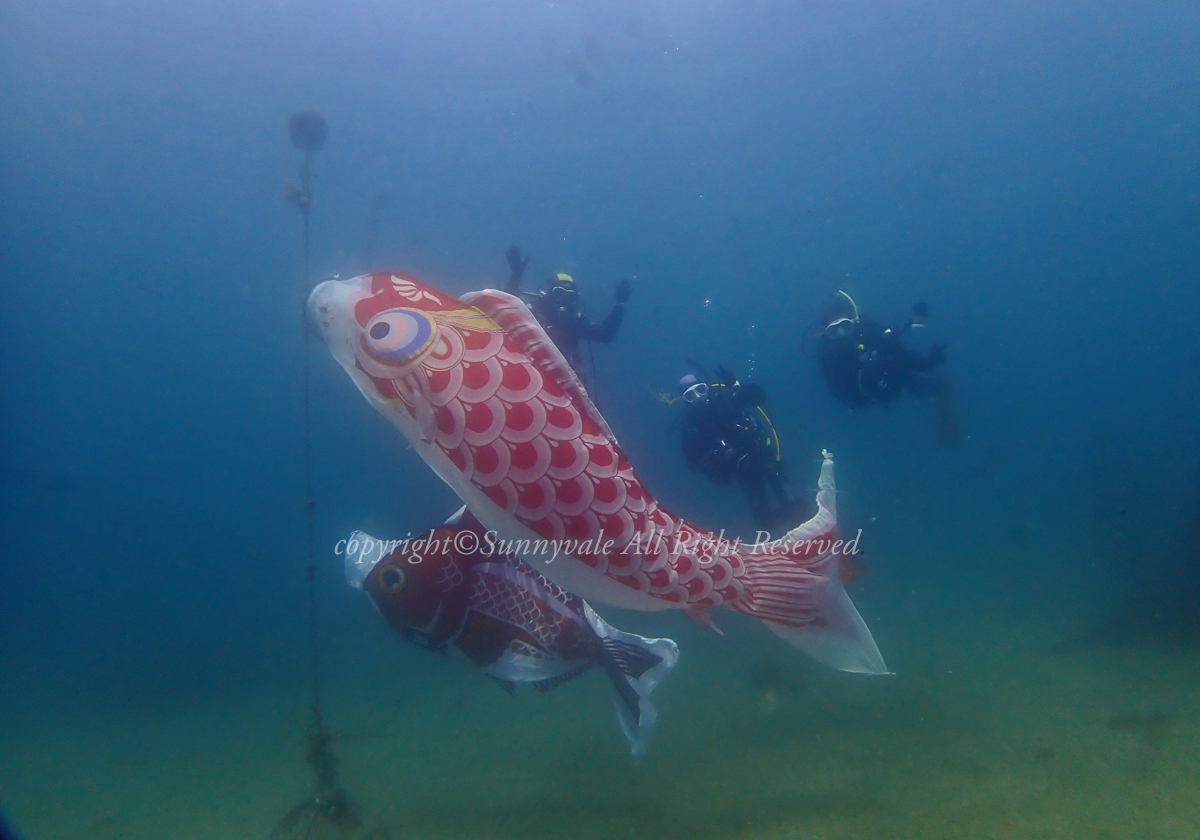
x=516, y=269
x=606, y=330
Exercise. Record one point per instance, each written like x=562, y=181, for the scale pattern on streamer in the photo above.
x=512, y=417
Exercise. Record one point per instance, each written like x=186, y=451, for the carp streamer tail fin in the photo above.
x=635, y=666
x=792, y=586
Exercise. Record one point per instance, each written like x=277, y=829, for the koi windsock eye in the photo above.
x=391, y=578
x=397, y=335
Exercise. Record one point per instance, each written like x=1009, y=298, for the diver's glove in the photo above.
x=624, y=291
x=516, y=265
x=937, y=355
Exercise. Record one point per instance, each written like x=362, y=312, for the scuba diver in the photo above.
x=864, y=362
x=727, y=435
x=557, y=309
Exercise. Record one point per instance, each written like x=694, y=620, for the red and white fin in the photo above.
x=792, y=586
x=841, y=640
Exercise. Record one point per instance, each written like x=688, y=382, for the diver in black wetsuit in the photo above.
x=557, y=309
x=864, y=362
x=727, y=435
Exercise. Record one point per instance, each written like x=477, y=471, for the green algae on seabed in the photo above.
x=989, y=738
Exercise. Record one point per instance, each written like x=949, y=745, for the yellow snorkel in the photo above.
x=853, y=305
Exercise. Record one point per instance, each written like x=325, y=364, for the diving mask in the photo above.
x=698, y=393
x=563, y=295
x=841, y=328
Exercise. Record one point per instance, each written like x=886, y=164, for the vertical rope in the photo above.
x=330, y=803
x=319, y=756
x=310, y=505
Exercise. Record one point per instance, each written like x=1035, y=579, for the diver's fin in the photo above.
x=920, y=314
x=635, y=666
x=700, y=616
x=551, y=683
x=793, y=586
x=949, y=433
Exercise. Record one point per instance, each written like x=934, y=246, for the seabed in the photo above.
x=994, y=726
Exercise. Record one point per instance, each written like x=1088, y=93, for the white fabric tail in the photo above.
x=635, y=666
